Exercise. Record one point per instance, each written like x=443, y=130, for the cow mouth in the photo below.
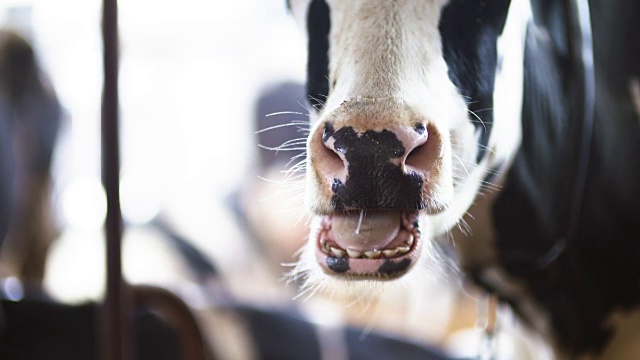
x=369, y=244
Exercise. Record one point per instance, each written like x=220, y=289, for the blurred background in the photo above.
x=207, y=213
x=190, y=78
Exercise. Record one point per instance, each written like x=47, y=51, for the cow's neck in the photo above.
x=567, y=288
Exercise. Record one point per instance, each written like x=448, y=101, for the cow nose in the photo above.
x=373, y=168
x=400, y=146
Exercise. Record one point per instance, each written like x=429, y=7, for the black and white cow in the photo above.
x=506, y=118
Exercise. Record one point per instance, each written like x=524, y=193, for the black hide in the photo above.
x=469, y=31
x=597, y=271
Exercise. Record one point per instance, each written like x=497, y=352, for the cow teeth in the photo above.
x=353, y=253
x=337, y=252
x=403, y=249
x=390, y=252
x=409, y=241
x=373, y=254
x=323, y=243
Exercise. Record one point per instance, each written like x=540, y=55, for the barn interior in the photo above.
x=212, y=120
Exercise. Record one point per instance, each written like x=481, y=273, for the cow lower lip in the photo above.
x=358, y=260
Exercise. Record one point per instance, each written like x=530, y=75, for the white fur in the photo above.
x=506, y=135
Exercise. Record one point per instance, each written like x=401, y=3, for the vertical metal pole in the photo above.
x=116, y=325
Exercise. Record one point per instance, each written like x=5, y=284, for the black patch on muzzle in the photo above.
x=373, y=182
x=318, y=26
x=470, y=31
x=391, y=268
x=338, y=265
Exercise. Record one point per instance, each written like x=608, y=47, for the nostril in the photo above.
x=414, y=152
x=418, y=158
x=332, y=152
x=417, y=142
x=329, y=142
x=425, y=152
x=327, y=132
x=413, y=155
x=326, y=155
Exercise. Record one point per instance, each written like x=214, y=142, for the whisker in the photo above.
x=320, y=102
x=476, y=144
x=284, y=113
x=304, y=154
x=300, y=165
x=310, y=112
x=360, y=222
x=461, y=163
x=293, y=123
x=295, y=174
x=296, y=141
x=277, y=148
x=479, y=119
x=293, y=179
x=481, y=110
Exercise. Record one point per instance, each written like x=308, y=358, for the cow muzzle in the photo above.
x=374, y=178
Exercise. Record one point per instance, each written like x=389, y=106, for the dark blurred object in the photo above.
x=268, y=205
x=284, y=334
x=175, y=312
x=36, y=330
x=202, y=266
x=35, y=327
x=30, y=117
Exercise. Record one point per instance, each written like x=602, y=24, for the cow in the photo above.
x=507, y=130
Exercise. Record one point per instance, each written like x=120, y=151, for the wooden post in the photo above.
x=116, y=326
